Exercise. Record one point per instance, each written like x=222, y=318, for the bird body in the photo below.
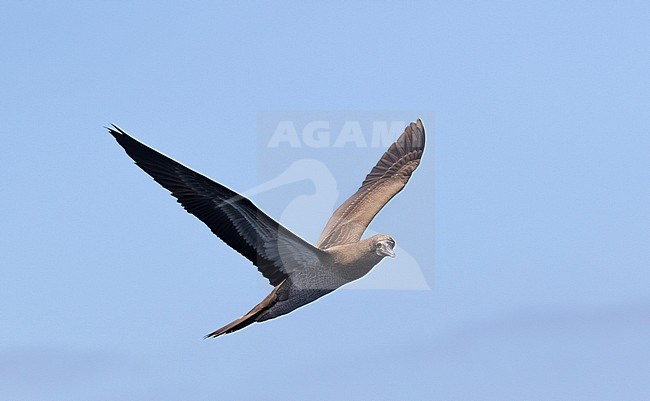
x=339, y=265
x=299, y=272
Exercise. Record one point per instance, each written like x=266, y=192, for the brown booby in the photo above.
x=299, y=272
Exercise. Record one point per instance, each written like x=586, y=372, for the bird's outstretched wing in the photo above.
x=386, y=179
x=275, y=251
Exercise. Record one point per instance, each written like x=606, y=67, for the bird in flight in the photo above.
x=299, y=272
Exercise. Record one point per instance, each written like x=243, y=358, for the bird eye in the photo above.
x=378, y=245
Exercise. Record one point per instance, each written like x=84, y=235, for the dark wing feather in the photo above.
x=386, y=179
x=235, y=219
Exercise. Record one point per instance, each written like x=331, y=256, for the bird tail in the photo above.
x=249, y=318
x=233, y=326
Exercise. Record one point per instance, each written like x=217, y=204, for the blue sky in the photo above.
x=529, y=216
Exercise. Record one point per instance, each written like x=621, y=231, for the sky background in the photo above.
x=529, y=217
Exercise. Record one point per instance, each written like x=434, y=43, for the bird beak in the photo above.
x=386, y=251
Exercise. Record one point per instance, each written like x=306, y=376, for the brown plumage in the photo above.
x=299, y=272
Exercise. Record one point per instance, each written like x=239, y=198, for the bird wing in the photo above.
x=275, y=250
x=387, y=178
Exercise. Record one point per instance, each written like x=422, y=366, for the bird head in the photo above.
x=383, y=245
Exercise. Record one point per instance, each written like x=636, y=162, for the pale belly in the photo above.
x=303, y=288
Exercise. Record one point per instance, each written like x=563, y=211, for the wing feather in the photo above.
x=385, y=180
x=275, y=251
